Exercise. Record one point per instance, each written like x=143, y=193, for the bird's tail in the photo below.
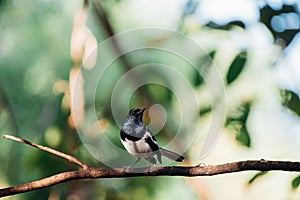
x=171, y=155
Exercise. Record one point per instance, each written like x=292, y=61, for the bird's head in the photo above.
x=136, y=114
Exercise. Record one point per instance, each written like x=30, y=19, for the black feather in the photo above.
x=151, y=143
x=127, y=136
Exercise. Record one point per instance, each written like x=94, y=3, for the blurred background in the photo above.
x=47, y=48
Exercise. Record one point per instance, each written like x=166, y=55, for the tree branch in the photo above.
x=189, y=171
x=49, y=150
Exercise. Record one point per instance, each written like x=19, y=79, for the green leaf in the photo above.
x=291, y=101
x=259, y=174
x=236, y=67
x=243, y=136
x=212, y=54
x=205, y=110
x=296, y=182
x=197, y=79
x=237, y=122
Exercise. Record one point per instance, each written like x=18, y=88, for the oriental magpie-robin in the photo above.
x=139, y=141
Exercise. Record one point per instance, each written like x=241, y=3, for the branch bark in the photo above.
x=49, y=150
x=188, y=171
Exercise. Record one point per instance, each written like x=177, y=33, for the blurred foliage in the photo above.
x=291, y=101
x=283, y=29
x=236, y=67
x=257, y=175
x=296, y=182
x=35, y=66
x=204, y=62
x=237, y=122
x=286, y=33
x=227, y=26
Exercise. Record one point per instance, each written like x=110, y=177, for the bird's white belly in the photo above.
x=138, y=148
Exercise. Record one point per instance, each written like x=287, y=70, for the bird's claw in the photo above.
x=127, y=168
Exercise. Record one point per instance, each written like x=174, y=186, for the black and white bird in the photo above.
x=139, y=141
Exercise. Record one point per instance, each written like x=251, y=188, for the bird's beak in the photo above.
x=142, y=110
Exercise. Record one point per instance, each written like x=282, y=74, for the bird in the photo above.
x=139, y=141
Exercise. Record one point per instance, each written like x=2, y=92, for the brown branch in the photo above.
x=49, y=150
x=190, y=171
x=93, y=173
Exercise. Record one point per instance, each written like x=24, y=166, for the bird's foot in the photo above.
x=127, y=168
x=148, y=169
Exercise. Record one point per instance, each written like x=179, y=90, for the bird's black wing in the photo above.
x=125, y=135
x=151, y=141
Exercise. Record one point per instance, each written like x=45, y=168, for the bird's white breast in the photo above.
x=138, y=148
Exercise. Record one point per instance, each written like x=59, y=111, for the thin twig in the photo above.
x=189, y=171
x=49, y=150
